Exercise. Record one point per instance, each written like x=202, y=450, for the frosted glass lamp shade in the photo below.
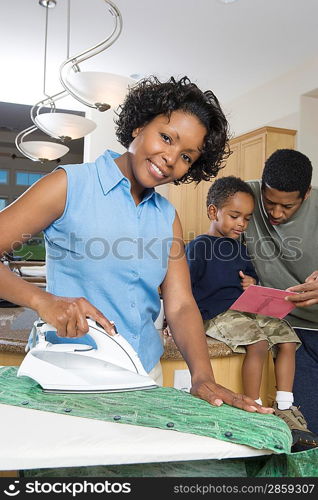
x=43, y=150
x=64, y=125
x=98, y=87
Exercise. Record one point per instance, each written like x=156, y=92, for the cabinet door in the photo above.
x=203, y=221
x=279, y=140
x=190, y=210
x=184, y=197
x=232, y=165
x=252, y=157
x=175, y=197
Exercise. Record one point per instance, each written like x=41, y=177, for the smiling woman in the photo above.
x=163, y=150
x=150, y=98
x=112, y=240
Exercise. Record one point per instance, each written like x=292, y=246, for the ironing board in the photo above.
x=158, y=432
x=40, y=439
x=124, y=428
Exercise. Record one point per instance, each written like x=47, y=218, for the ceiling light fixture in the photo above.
x=39, y=150
x=94, y=89
x=100, y=90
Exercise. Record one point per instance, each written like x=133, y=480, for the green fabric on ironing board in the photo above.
x=189, y=468
x=156, y=408
x=163, y=408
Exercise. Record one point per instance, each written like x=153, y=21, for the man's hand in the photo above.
x=312, y=277
x=246, y=280
x=307, y=292
x=216, y=395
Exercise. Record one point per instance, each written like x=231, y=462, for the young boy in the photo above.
x=220, y=271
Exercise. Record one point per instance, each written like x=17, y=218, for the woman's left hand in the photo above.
x=216, y=395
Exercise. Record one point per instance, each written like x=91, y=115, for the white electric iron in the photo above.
x=113, y=366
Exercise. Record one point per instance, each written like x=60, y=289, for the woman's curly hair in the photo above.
x=150, y=97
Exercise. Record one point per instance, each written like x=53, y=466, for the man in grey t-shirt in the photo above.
x=282, y=239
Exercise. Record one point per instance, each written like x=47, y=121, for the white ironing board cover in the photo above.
x=38, y=439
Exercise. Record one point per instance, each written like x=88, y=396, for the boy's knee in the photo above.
x=287, y=346
x=258, y=348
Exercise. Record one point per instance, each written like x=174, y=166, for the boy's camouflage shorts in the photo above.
x=237, y=329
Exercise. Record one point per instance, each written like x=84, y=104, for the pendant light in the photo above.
x=48, y=150
x=39, y=150
x=63, y=126
x=97, y=90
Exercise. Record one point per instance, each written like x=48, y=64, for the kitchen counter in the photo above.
x=15, y=326
x=16, y=323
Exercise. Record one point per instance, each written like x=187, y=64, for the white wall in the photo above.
x=307, y=141
x=103, y=137
x=272, y=101
x=282, y=103
x=279, y=103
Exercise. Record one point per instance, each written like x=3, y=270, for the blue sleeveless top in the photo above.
x=112, y=252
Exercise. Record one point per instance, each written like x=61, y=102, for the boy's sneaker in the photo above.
x=303, y=438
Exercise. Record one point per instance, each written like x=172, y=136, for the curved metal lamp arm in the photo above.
x=48, y=101
x=19, y=138
x=61, y=149
x=74, y=61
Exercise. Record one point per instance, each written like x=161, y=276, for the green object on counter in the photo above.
x=163, y=408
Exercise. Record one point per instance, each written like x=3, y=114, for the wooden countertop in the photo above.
x=216, y=348
x=16, y=324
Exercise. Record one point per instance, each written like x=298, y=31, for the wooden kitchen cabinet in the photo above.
x=187, y=199
x=249, y=152
x=227, y=372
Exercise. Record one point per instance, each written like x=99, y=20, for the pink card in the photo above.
x=263, y=300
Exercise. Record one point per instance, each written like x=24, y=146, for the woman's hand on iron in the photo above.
x=69, y=315
x=216, y=395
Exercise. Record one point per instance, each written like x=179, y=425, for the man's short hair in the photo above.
x=288, y=170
